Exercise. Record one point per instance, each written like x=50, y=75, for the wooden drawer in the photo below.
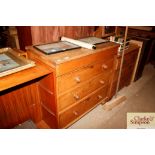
x=93, y=57
x=75, y=78
x=83, y=90
x=48, y=99
x=72, y=114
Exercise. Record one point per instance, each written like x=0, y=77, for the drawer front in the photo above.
x=73, y=79
x=48, y=99
x=83, y=90
x=79, y=109
x=93, y=57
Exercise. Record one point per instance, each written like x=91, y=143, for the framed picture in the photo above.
x=10, y=62
x=56, y=47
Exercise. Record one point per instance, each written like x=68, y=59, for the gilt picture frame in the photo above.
x=10, y=62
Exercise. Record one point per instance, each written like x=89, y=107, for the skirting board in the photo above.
x=113, y=103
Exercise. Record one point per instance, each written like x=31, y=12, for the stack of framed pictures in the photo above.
x=10, y=62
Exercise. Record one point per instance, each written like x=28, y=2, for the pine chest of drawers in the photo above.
x=80, y=79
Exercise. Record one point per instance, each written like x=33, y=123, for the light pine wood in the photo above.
x=51, y=77
x=72, y=114
x=48, y=99
x=83, y=78
x=23, y=76
x=78, y=93
x=42, y=125
x=81, y=53
x=49, y=118
x=19, y=104
x=20, y=98
x=79, y=76
x=47, y=83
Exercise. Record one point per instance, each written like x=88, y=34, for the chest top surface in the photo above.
x=59, y=58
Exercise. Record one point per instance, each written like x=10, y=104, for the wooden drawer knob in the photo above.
x=102, y=82
x=99, y=97
x=104, y=66
x=77, y=79
x=32, y=105
x=87, y=99
x=75, y=113
x=91, y=66
x=77, y=97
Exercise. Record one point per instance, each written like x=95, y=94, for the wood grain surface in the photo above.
x=19, y=104
x=65, y=101
x=26, y=75
x=19, y=96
